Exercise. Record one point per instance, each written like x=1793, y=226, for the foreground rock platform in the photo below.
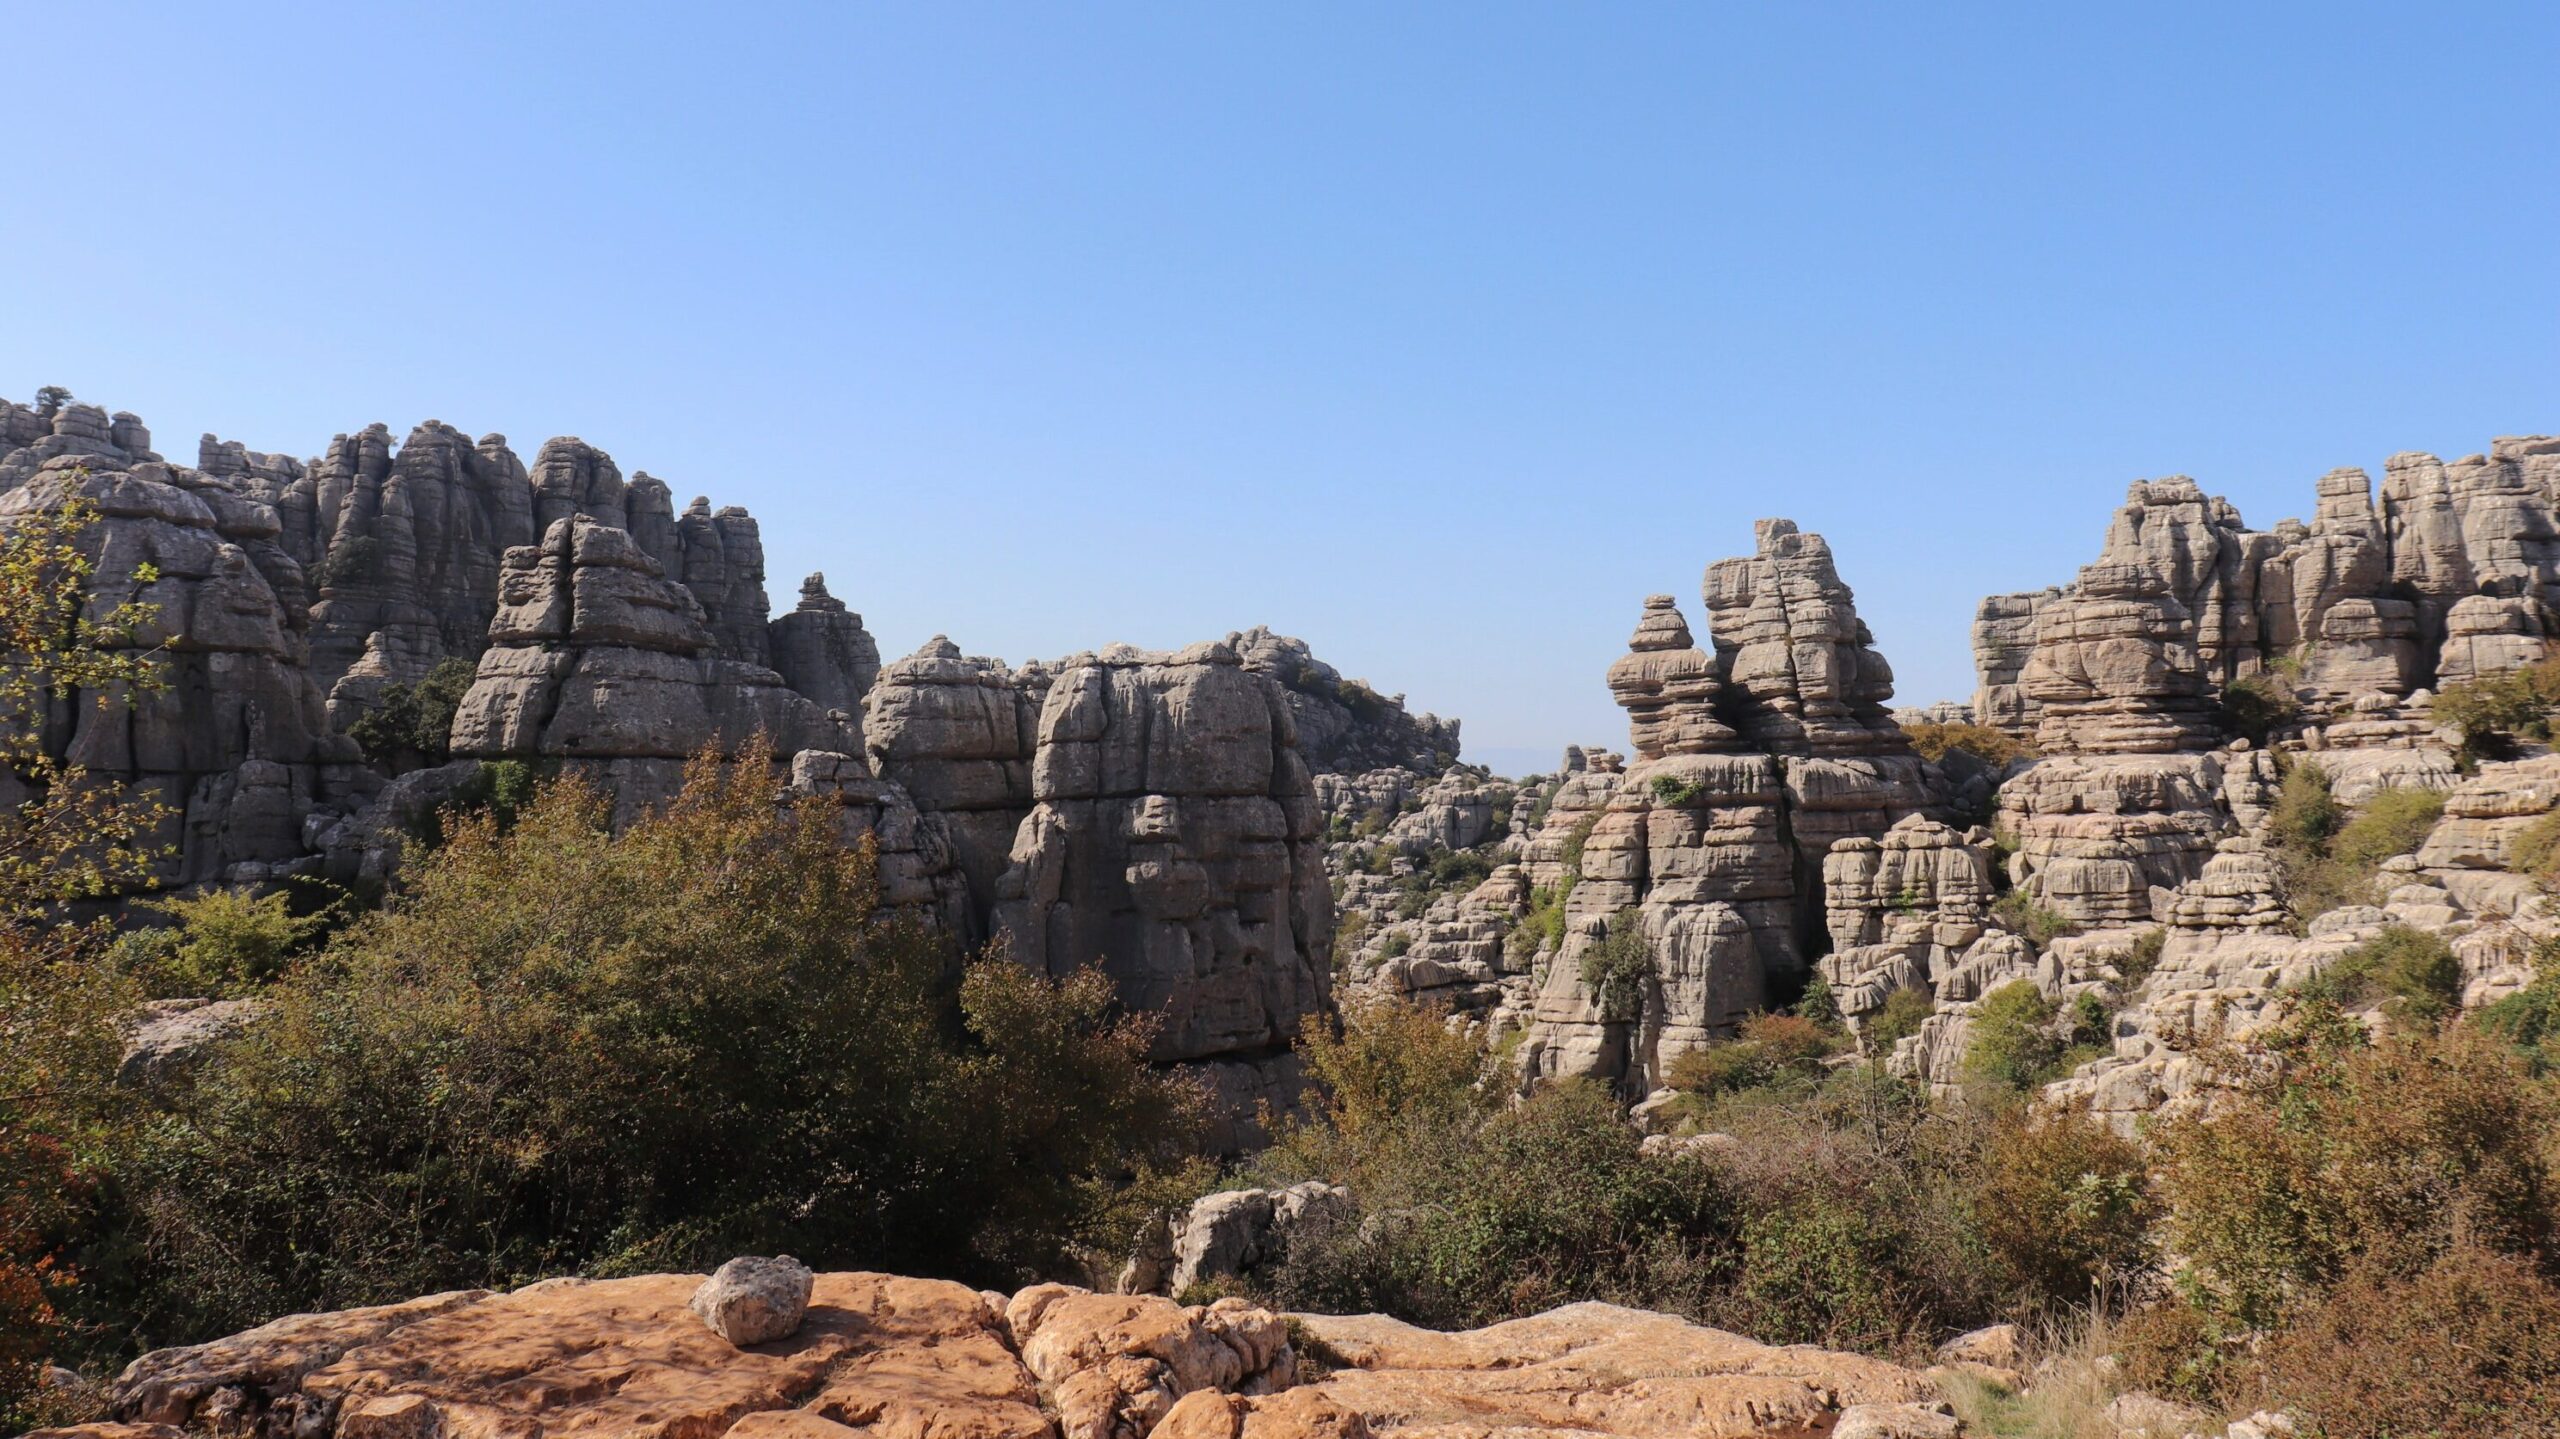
x=903, y=1358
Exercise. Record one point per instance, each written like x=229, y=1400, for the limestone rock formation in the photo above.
x=1160, y=821
x=236, y=746
x=1229, y=1235
x=958, y=732
x=1705, y=858
x=2362, y=600
x=2145, y=814
x=878, y=1354
x=596, y=658
x=1344, y=726
x=1173, y=840
x=822, y=650
x=410, y=546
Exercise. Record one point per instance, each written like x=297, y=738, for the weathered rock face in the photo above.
x=411, y=545
x=1344, y=726
x=595, y=657
x=285, y=584
x=822, y=650
x=958, y=733
x=236, y=746
x=1173, y=840
x=2362, y=599
x=882, y=1355
x=1754, y=763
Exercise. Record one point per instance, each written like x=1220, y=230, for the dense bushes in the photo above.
x=2329, y=858
x=2256, y=706
x=2495, y=711
x=2468, y=1345
x=2349, y=1153
x=2413, y=973
x=1995, y=749
x=225, y=942
x=2038, y=924
x=1774, y=1049
x=1848, y=1210
x=2362, y=1226
x=413, y=724
x=563, y=1050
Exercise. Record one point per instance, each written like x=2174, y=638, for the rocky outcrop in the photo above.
x=293, y=596
x=883, y=1355
x=958, y=732
x=1173, y=840
x=822, y=650
x=597, y=659
x=235, y=748
x=410, y=545
x=1701, y=866
x=1230, y=1235
x=2147, y=816
x=1344, y=725
x=2360, y=601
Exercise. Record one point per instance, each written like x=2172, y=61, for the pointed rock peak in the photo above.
x=814, y=596
x=1769, y=534
x=1663, y=627
x=939, y=647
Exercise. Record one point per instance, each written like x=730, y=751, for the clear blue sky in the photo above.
x=1440, y=335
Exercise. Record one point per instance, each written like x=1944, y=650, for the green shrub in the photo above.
x=2495, y=711
x=1396, y=945
x=2038, y=923
x=2394, y=821
x=2066, y=1208
x=2469, y=1345
x=1574, y=840
x=414, y=723
x=1994, y=748
x=1819, y=1004
x=2256, y=706
x=562, y=1050
x=1542, y=927
x=1460, y=869
x=2536, y=851
x=2143, y=958
x=2306, y=814
x=2528, y=1021
x=2344, y=1153
x=226, y=941
x=2413, y=972
x=1672, y=792
x=1772, y=1049
x=2091, y=1026
x=350, y=561
x=1899, y=1019
x=2328, y=858
x=1618, y=968
x=1348, y=930
x=2012, y=1043
x=1813, y=1272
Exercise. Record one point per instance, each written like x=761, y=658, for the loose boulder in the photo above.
x=752, y=1300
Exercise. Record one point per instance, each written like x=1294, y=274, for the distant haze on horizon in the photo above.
x=1437, y=335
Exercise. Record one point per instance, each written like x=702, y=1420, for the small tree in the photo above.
x=64, y=838
x=68, y=838
x=1618, y=968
